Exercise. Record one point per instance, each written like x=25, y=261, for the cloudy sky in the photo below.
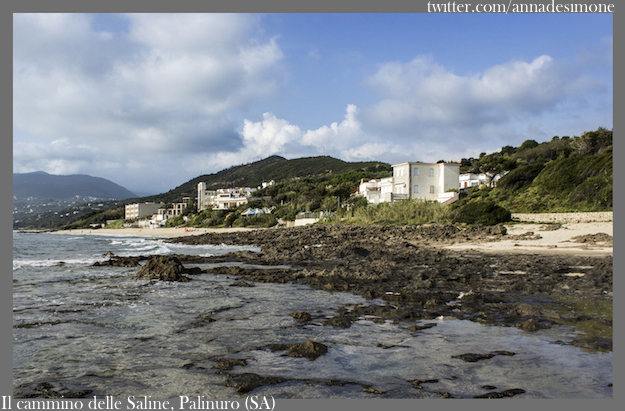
x=151, y=101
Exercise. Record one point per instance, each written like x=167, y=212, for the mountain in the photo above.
x=272, y=168
x=43, y=186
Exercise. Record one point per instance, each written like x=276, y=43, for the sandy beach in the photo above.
x=558, y=241
x=157, y=232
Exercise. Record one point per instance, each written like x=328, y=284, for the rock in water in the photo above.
x=163, y=268
x=309, y=349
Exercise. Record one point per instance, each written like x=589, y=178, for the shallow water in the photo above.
x=97, y=328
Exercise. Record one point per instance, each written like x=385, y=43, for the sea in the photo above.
x=97, y=328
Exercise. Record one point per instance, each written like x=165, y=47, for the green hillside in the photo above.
x=254, y=174
x=562, y=175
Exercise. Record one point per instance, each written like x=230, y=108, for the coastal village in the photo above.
x=439, y=182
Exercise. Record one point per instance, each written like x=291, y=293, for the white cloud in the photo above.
x=167, y=85
x=336, y=135
x=268, y=136
x=424, y=93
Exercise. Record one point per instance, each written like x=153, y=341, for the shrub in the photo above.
x=258, y=220
x=484, y=213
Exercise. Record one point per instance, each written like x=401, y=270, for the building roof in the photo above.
x=425, y=164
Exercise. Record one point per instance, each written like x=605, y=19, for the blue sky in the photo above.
x=150, y=101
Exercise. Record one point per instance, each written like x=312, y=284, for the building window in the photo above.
x=416, y=171
x=431, y=172
x=431, y=189
x=416, y=189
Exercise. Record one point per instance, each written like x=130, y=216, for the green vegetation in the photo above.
x=399, y=212
x=482, y=213
x=97, y=217
x=561, y=175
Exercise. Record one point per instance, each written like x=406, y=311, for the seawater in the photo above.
x=98, y=328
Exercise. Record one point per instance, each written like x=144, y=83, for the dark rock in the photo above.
x=418, y=327
x=49, y=390
x=162, y=268
x=574, y=317
x=310, y=349
x=372, y=390
x=500, y=352
x=228, y=363
x=339, y=383
x=417, y=383
x=241, y=283
x=502, y=394
x=473, y=357
x=193, y=270
x=278, y=347
x=340, y=321
x=489, y=387
x=248, y=381
x=301, y=316
x=594, y=343
x=531, y=325
x=445, y=394
x=478, y=357
x=116, y=261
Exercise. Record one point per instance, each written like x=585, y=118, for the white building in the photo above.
x=377, y=191
x=416, y=180
x=223, y=198
x=426, y=181
x=469, y=180
x=140, y=210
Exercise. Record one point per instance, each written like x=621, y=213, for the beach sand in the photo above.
x=558, y=241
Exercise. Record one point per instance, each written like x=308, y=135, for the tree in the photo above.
x=593, y=142
x=528, y=144
x=494, y=165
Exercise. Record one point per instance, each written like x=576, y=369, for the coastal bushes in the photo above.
x=400, y=212
x=483, y=213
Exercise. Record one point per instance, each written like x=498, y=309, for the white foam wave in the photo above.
x=53, y=262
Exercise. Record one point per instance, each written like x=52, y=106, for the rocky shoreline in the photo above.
x=408, y=268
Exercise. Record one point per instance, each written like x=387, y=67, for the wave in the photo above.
x=19, y=263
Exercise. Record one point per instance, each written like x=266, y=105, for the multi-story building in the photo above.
x=223, y=198
x=377, y=190
x=140, y=210
x=426, y=181
x=415, y=180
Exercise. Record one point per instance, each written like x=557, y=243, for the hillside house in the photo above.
x=377, y=190
x=469, y=180
x=416, y=180
x=222, y=198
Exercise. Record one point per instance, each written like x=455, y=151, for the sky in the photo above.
x=150, y=101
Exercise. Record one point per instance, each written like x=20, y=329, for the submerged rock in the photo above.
x=594, y=343
x=246, y=382
x=301, y=316
x=478, y=357
x=310, y=349
x=531, y=325
x=502, y=394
